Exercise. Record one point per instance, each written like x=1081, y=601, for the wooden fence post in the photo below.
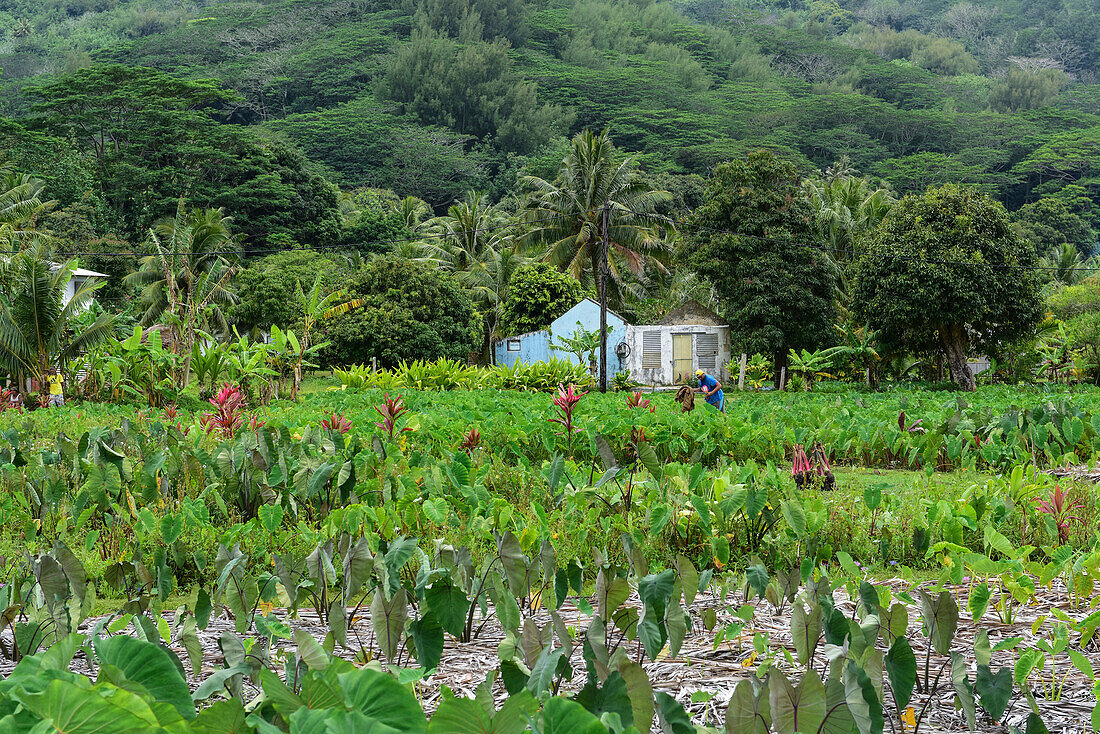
x=741, y=377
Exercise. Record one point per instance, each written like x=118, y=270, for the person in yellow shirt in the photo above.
x=55, y=381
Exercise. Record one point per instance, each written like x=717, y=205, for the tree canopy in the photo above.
x=755, y=242
x=410, y=311
x=946, y=270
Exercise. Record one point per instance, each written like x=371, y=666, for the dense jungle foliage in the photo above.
x=263, y=107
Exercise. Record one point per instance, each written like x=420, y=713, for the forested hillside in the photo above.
x=270, y=104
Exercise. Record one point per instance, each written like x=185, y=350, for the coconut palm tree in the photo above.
x=846, y=207
x=186, y=279
x=470, y=227
x=472, y=242
x=564, y=216
x=20, y=206
x=1066, y=264
x=414, y=212
x=35, y=327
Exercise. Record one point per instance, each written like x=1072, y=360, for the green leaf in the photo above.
x=941, y=619
x=449, y=605
x=222, y=717
x=979, y=601
x=216, y=681
x=863, y=701
x=514, y=563
x=611, y=592
x=796, y=709
x=640, y=690
x=655, y=590
x=310, y=651
x=963, y=690
x=427, y=637
x=170, y=528
x=1028, y=661
x=544, y=671
x=648, y=456
x=652, y=633
x=562, y=716
x=982, y=652
x=460, y=716
x=689, y=578
x=611, y=697
x=758, y=579
x=994, y=690
x=849, y=566
x=1035, y=724
x=379, y=697
x=203, y=608
x=1081, y=663
x=388, y=619
x=748, y=712
x=75, y=710
x=838, y=719
x=901, y=667
x=795, y=517
x=149, y=665
x=271, y=517
x=805, y=630
x=673, y=718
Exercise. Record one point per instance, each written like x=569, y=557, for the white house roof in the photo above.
x=80, y=272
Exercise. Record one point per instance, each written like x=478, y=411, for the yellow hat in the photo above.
x=699, y=373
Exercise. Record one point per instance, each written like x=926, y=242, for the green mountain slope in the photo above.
x=431, y=97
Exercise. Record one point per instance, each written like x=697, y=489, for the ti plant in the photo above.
x=565, y=402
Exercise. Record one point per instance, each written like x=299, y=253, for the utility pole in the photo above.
x=605, y=224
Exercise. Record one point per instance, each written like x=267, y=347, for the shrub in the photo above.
x=410, y=311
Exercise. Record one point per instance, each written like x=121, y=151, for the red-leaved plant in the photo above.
x=391, y=409
x=566, y=402
x=913, y=427
x=1058, y=508
x=336, y=422
x=813, y=469
x=471, y=441
x=228, y=415
x=5, y=401
x=635, y=400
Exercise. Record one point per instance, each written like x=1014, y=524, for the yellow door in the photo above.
x=681, y=358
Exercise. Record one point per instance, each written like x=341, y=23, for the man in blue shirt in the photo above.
x=712, y=388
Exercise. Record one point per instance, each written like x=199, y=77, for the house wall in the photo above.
x=587, y=312
x=75, y=283
x=69, y=291
x=533, y=347
x=664, y=374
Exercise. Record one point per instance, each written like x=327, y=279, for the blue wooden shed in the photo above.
x=535, y=346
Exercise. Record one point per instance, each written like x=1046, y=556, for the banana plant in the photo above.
x=812, y=365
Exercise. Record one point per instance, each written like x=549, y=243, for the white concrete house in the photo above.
x=689, y=338
x=80, y=277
